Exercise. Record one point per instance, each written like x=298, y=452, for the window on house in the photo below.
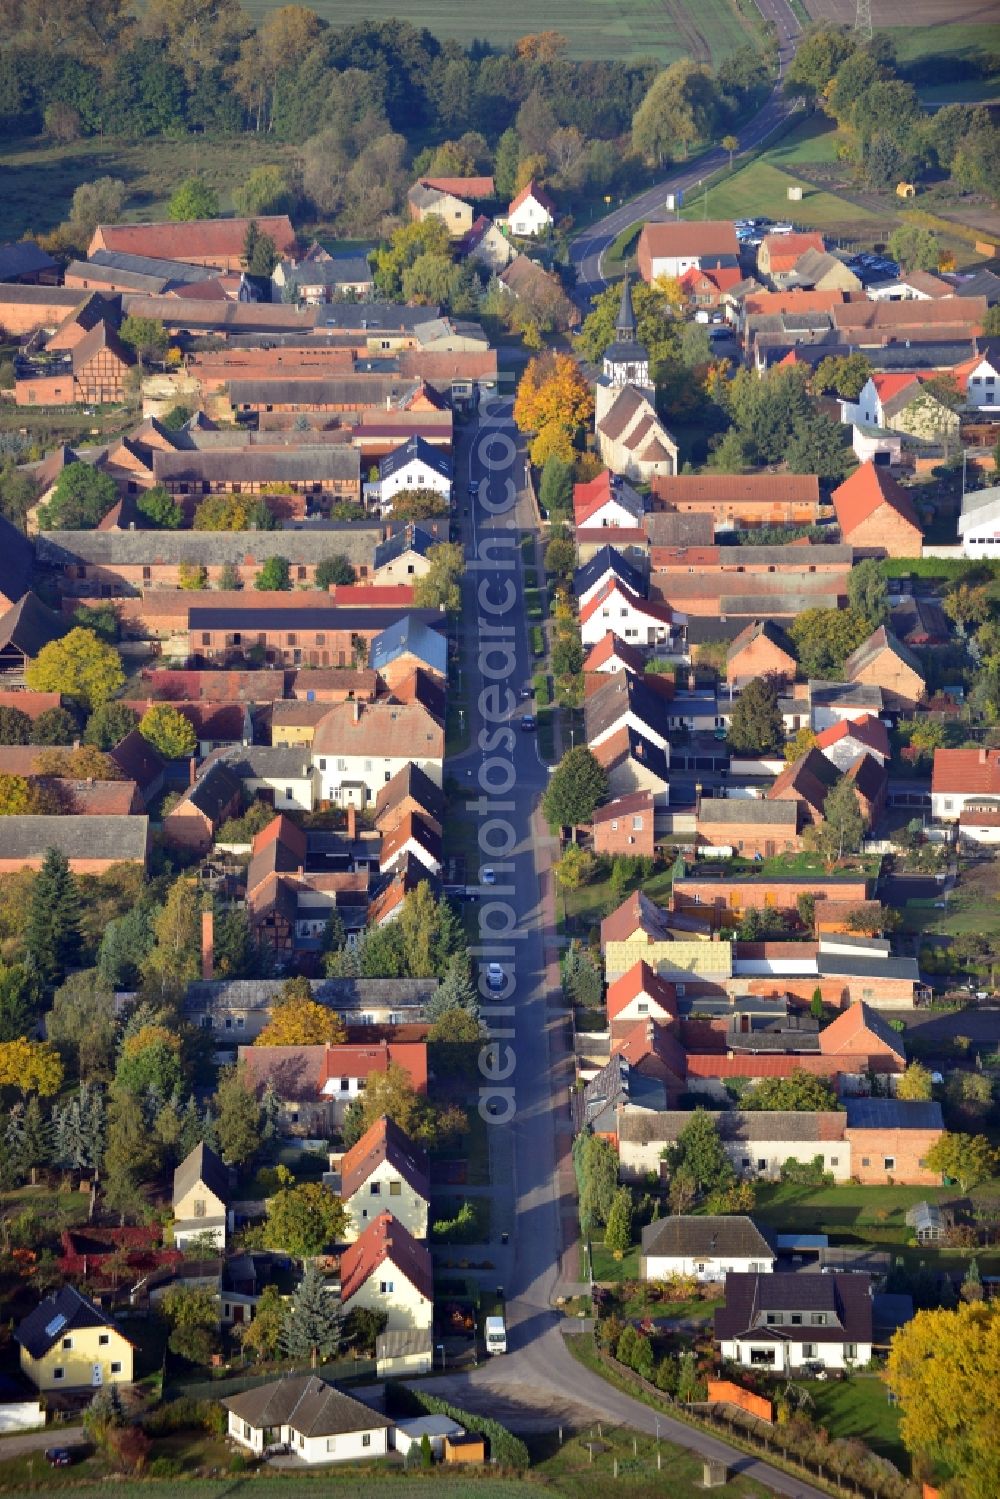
x=199, y=1207
x=385, y=1287
x=808, y=1350
x=103, y=1338
x=300, y=572
x=331, y=1444
x=866, y=1160
x=818, y=1319
x=796, y=1319
x=762, y=1164
x=375, y=1188
x=366, y=1439
x=395, y=1189
x=58, y=1373
x=636, y=824
x=850, y=1350
x=745, y=1163
x=206, y=638
x=642, y=1007
x=116, y=1368
x=341, y=764
x=773, y=1319
x=67, y=1342
x=889, y=1163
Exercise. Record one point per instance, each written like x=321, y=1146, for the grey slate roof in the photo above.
x=348, y=391
x=308, y=1405
x=892, y=1113
x=23, y=258
x=29, y=625
x=339, y=994
x=689, y=1236
x=257, y=465
x=838, y=966
x=845, y=1299
x=411, y=781
x=58, y=1314
x=609, y=560
x=411, y=635
x=202, y=1165
x=407, y=539
x=620, y=693
x=169, y=548
x=212, y=793
x=16, y=561
x=236, y=617
x=719, y=809
x=831, y=694
x=117, y=838
x=259, y=762
x=667, y=528
x=415, y=450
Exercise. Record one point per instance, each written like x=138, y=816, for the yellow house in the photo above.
x=294, y=722
x=385, y=1173
x=201, y=1197
x=68, y=1343
x=386, y=1270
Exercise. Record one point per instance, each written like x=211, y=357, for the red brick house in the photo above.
x=761, y=650
x=204, y=807
x=625, y=826
x=210, y=242
x=876, y=514
x=742, y=500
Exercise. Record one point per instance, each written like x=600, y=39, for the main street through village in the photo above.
x=539, y=1383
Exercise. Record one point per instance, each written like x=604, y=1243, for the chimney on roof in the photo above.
x=352, y=823
x=357, y=710
x=192, y=770
x=207, y=945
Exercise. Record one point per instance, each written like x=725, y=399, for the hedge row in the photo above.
x=408, y=1400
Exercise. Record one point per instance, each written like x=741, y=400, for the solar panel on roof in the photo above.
x=56, y=1325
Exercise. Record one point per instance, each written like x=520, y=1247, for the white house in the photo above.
x=532, y=212
x=383, y=1172
x=961, y=776
x=413, y=465
x=979, y=523
x=982, y=382
x=679, y=245
x=640, y=994
x=387, y=1270
x=757, y=1143
x=785, y=1320
x=707, y=1248
x=636, y=621
x=316, y=1421
x=358, y=747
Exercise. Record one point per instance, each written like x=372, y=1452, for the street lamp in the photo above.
x=444, y=1362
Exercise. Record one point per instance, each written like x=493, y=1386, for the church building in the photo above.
x=631, y=438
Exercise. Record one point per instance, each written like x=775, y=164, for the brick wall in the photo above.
x=735, y=894
x=724, y=1392
x=902, y=687
x=886, y=531
x=758, y=658
x=625, y=838
x=906, y=1148
x=750, y=838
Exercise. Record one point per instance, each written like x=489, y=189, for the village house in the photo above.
x=980, y=376
x=779, y=254
x=614, y=608
x=316, y=1084
x=358, y=748
x=541, y=293
x=783, y=1320
x=401, y=556
x=300, y=632
x=413, y=643
x=237, y=1010
x=92, y=372
x=611, y=654
x=25, y=629
x=319, y=277
x=26, y=262
x=961, y=777
x=671, y=249
x=409, y=791
x=900, y=402
x=761, y=650
x=427, y=202
x=412, y=838
x=91, y=845
x=846, y=742
x=708, y=288
x=486, y=245
x=387, y=1270
x=416, y=464
x=638, y=930
x=706, y=1248
x=742, y=501
x=201, y=1200
x=68, y=1343
x=876, y=514
x=890, y=1140
x=641, y=995
x=314, y=1420
x=979, y=522
x=607, y=501
x=218, y=243
x=724, y=899
x=531, y=213
x=821, y=271
x=211, y=800
x=626, y=826
x=755, y=828
x=885, y=662
x=757, y=1143
x=384, y=1172
x=626, y=701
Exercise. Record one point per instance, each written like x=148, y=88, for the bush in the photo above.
x=807, y=1173
x=467, y=1226
x=186, y=1414
x=537, y=641
x=165, y=1467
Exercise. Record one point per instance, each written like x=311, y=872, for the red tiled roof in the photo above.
x=589, y=497
x=737, y=489
x=372, y=595
x=645, y=1039
x=31, y=703
x=974, y=772
x=612, y=647
x=636, y=913
x=795, y=300
x=721, y=277
x=770, y=1065
x=859, y=1028
x=679, y=237
x=624, y=806
x=385, y=1239
x=640, y=979
x=860, y=496
x=384, y=1141
x=198, y=237
x=365, y=1061
x=623, y=536
x=891, y=383
x=867, y=730
x=462, y=187
x=532, y=190
x=642, y=606
x=784, y=249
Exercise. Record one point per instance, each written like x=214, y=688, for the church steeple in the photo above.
x=625, y=327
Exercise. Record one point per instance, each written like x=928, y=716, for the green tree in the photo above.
x=868, y=592
x=174, y=960
x=915, y=248
x=18, y=1001
x=265, y=191
x=678, y=110
x=505, y=162
x=699, y=1155
x=456, y=991
x=440, y=587
x=419, y=504
x=260, y=252
x=618, y=1230
x=304, y=1220
x=78, y=666
x=820, y=52
x=55, y=726
x=560, y=560
x=274, y=576
x=967, y=1159
x=334, y=570
x=82, y=1024
x=596, y=1164
x=193, y=1314
x=194, y=199
x=555, y=490
x=150, y=1058
x=799, y=1091
x=108, y=725
x=238, y=1114
x=845, y=375
x=160, y=509
x=915, y=1084
x=843, y=826
x=756, y=725
x=15, y=726
x=824, y=638
x=264, y=1335
x=169, y=731
x=146, y=336
x=81, y=497
x=132, y=1155
x=578, y=785
x=313, y=1323
x=52, y=933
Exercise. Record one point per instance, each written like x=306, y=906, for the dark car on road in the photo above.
x=528, y=722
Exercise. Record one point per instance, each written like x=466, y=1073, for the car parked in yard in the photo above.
x=58, y=1457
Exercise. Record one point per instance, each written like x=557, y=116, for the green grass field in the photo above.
x=860, y=1408
x=762, y=188
x=707, y=30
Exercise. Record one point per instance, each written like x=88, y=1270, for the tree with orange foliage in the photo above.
x=553, y=401
x=541, y=46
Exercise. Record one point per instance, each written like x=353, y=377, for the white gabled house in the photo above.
x=784, y=1320
x=532, y=212
x=979, y=522
x=413, y=465
x=707, y=1248
x=636, y=621
x=315, y=1421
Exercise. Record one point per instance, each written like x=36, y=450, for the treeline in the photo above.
x=370, y=103
x=889, y=138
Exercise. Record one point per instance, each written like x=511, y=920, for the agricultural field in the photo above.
x=707, y=30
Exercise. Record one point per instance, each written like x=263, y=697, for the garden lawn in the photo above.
x=974, y=906
x=858, y=1407
x=606, y=1267
x=762, y=188
x=812, y=142
x=875, y=1214
x=587, y=906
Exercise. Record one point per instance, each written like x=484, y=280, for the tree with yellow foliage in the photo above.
x=944, y=1369
x=297, y=1021
x=554, y=401
x=30, y=1067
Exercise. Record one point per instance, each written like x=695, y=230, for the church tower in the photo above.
x=626, y=362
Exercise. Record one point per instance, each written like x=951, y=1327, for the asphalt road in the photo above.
x=538, y=1383
x=587, y=249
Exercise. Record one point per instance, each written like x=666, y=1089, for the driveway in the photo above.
x=538, y=1382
